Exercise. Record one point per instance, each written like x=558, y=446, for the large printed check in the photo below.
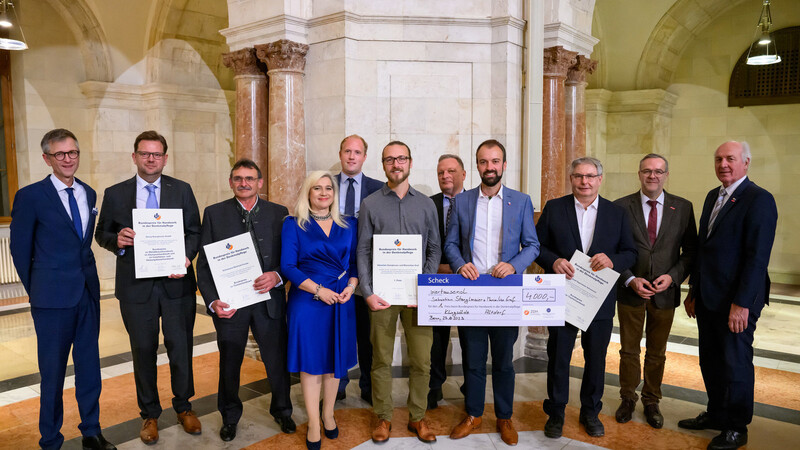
x=516, y=300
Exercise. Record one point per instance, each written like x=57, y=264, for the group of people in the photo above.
x=332, y=319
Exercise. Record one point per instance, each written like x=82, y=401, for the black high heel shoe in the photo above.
x=313, y=445
x=330, y=434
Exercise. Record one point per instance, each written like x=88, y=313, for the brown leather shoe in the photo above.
x=190, y=422
x=381, y=431
x=466, y=426
x=507, y=432
x=423, y=432
x=149, y=432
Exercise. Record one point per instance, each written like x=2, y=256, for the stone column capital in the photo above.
x=283, y=55
x=243, y=62
x=577, y=73
x=557, y=61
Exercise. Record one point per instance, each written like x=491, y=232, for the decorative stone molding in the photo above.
x=577, y=73
x=283, y=55
x=561, y=34
x=243, y=62
x=557, y=61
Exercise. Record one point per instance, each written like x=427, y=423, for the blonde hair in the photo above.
x=302, y=207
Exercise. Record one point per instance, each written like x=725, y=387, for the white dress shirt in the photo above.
x=142, y=193
x=488, y=243
x=587, y=218
x=80, y=197
x=357, y=180
x=646, y=212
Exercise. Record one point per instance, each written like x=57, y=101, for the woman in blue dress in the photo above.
x=318, y=258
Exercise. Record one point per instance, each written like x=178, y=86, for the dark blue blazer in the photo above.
x=53, y=263
x=368, y=185
x=732, y=262
x=520, y=244
x=559, y=236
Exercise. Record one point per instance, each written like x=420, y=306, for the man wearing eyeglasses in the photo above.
x=144, y=302
x=666, y=238
x=398, y=208
x=51, y=244
x=587, y=222
x=244, y=213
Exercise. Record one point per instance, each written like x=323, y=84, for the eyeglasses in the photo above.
x=580, y=176
x=647, y=172
x=73, y=154
x=248, y=180
x=389, y=160
x=146, y=155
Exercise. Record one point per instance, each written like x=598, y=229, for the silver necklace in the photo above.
x=316, y=217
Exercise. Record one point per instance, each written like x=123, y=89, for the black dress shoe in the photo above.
x=554, y=427
x=728, y=440
x=701, y=422
x=592, y=425
x=433, y=398
x=228, y=432
x=287, y=424
x=367, y=396
x=100, y=443
x=625, y=411
x=653, y=415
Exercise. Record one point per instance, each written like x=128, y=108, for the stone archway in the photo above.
x=94, y=47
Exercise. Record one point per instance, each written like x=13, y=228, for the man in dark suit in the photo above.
x=143, y=301
x=354, y=187
x=491, y=231
x=666, y=238
x=587, y=222
x=245, y=212
x=51, y=245
x=451, y=175
x=729, y=286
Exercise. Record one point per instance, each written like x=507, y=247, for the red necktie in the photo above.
x=652, y=222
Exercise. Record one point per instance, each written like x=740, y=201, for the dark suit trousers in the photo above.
x=632, y=321
x=58, y=330
x=476, y=341
x=177, y=324
x=560, y=344
x=271, y=336
x=726, y=362
x=364, y=348
x=441, y=340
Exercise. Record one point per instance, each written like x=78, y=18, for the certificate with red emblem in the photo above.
x=234, y=266
x=158, y=247
x=396, y=262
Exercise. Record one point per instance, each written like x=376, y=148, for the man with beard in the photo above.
x=491, y=231
x=397, y=208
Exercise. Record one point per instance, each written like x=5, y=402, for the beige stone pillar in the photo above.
x=250, y=127
x=575, y=111
x=557, y=62
x=286, y=166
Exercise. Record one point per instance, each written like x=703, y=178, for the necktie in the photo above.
x=75, y=212
x=449, y=214
x=652, y=221
x=716, y=210
x=152, y=200
x=350, y=199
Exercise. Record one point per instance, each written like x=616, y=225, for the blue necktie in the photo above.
x=76, y=214
x=152, y=201
x=350, y=199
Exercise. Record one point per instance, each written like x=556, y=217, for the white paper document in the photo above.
x=158, y=247
x=234, y=266
x=587, y=290
x=396, y=262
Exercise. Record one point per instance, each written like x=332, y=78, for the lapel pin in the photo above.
x=672, y=208
x=733, y=199
x=509, y=203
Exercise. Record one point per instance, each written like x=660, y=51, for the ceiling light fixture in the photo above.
x=8, y=16
x=762, y=50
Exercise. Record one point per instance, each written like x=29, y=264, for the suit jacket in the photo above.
x=116, y=213
x=438, y=201
x=520, y=244
x=731, y=265
x=672, y=253
x=559, y=236
x=368, y=185
x=52, y=261
x=223, y=220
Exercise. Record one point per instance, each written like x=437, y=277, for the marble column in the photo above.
x=575, y=110
x=250, y=127
x=557, y=62
x=286, y=166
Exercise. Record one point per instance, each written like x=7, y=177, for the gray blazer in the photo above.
x=673, y=252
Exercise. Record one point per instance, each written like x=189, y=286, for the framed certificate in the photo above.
x=158, y=247
x=396, y=262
